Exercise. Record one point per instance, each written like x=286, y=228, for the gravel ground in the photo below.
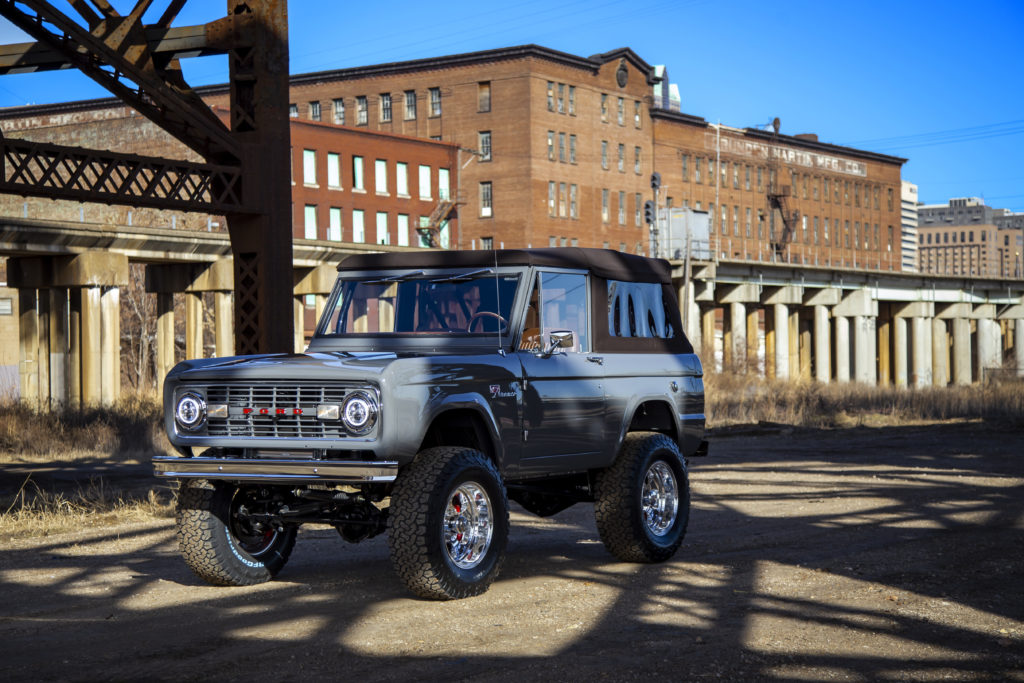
x=863, y=554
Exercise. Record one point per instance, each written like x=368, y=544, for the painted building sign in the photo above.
x=795, y=157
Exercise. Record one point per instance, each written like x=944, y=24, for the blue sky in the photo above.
x=939, y=82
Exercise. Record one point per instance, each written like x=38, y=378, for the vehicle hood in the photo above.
x=285, y=366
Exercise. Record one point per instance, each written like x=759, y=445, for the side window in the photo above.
x=559, y=302
x=638, y=309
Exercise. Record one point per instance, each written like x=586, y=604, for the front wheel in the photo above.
x=642, y=502
x=225, y=535
x=448, y=523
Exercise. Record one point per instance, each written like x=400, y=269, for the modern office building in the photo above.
x=967, y=237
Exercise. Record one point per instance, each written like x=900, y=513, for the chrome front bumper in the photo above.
x=274, y=470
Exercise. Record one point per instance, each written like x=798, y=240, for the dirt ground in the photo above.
x=863, y=554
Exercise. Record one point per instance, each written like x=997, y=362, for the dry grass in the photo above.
x=743, y=399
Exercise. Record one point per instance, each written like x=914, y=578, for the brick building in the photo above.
x=967, y=237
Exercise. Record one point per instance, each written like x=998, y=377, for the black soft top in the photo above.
x=612, y=265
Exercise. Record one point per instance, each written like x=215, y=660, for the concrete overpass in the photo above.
x=874, y=327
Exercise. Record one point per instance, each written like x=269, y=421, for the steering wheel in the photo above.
x=481, y=314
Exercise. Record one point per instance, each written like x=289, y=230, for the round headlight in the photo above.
x=359, y=412
x=190, y=411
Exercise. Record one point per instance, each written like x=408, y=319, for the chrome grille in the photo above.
x=272, y=397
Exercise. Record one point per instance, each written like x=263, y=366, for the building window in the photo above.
x=380, y=176
x=736, y=221
x=686, y=168
x=486, y=200
x=561, y=98
x=357, y=174
x=403, y=229
x=443, y=185
x=487, y=243
x=622, y=208
x=562, y=200
x=402, y=179
x=382, y=228
x=572, y=100
x=552, y=188
x=604, y=154
x=551, y=95
x=314, y=111
x=293, y=110
x=573, y=202
x=622, y=158
x=310, y=221
x=424, y=182
x=358, y=227
x=760, y=179
x=736, y=176
x=410, y=105
x=747, y=224
x=551, y=145
x=746, y=177
x=484, y=139
x=696, y=170
x=483, y=96
x=604, y=205
x=309, y=167
x=552, y=241
x=339, y=111
x=637, y=202
x=636, y=113
x=604, y=108
x=334, y=170
x=636, y=160
x=435, y=101
x=561, y=147
x=572, y=149
x=385, y=107
x=621, y=111
x=334, y=224
x=362, y=115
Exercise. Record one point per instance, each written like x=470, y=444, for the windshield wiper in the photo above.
x=463, y=277
x=393, y=278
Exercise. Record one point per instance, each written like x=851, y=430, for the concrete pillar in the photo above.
x=961, y=351
x=164, y=338
x=922, y=352
x=989, y=346
x=753, y=341
x=940, y=353
x=193, y=325
x=693, y=331
x=1018, y=345
x=58, y=346
x=92, y=351
x=223, y=320
x=884, y=345
x=738, y=335
x=707, y=336
x=863, y=349
x=28, y=352
x=43, y=347
x=75, y=347
x=804, y=346
x=780, y=315
x=298, y=305
x=899, y=355
x=794, y=343
x=842, y=324
x=822, y=345
x=110, y=342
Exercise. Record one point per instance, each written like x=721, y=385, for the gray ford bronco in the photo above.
x=438, y=386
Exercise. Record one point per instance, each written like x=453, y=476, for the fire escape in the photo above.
x=777, y=201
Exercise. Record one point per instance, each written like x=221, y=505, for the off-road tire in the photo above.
x=212, y=549
x=416, y=534
x=618, y=500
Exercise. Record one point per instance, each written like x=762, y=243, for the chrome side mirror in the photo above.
x=558, y=339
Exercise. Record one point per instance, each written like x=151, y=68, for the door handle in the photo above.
x=596, y=359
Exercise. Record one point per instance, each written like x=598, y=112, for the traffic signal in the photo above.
x=649, y=212
x=655, y=180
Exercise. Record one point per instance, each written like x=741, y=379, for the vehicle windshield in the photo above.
x=475, y=302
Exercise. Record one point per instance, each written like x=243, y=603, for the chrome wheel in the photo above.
x=468, y=525
x=660, y=498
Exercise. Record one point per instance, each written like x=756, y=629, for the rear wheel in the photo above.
x=225, y=535
x=642, y=502
x=448, y=523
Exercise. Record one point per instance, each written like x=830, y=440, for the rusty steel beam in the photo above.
x=166, y=43
x=60, y=172
x=120, y=44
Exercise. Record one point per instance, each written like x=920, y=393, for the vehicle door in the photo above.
x=563, y=397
